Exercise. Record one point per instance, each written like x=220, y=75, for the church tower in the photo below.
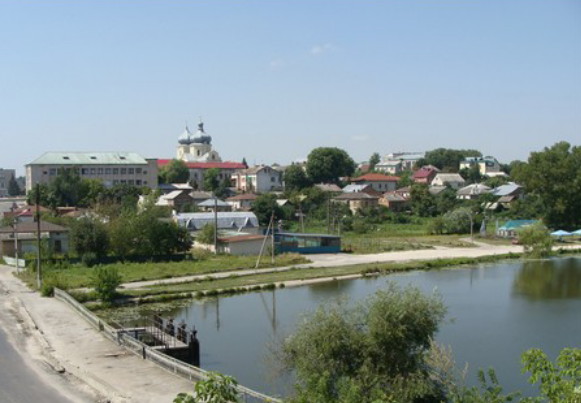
x=196, y=147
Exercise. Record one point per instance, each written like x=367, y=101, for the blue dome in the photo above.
x=201, y=137
x=186, y=138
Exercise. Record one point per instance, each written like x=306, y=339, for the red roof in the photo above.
x=423, y=173
x=206, y=165
x=374, y=177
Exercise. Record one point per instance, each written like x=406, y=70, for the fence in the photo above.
x=171, y=364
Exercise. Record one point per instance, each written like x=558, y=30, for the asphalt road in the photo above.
x=19, y=383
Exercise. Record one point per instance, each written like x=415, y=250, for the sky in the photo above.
x=274, y=79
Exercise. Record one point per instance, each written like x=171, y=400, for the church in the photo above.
x=195, y=149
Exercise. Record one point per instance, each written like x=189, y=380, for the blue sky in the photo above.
x=274, y=79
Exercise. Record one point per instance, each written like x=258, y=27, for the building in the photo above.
x=6, y=176
x=408, y=159
x=379, y=182
x=111, y=168
x=472, y=191
x=394, y=201
x=328, y=187
x=455, y=181
x=260, y=179
x=425, y=174
x=242, y=202
x=510, y=228
x=198, y=169
x=24, y=235
x=227, y=221
x=357, y=200
x=392, y=167
x=486, y=165
x=287, y=242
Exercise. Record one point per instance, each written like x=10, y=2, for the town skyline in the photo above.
x=272, y=81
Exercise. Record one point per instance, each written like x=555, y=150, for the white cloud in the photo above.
x=317, y=50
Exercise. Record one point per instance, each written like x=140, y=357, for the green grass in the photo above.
x=79, y=276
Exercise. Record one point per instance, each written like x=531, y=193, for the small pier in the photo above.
x=166, y=337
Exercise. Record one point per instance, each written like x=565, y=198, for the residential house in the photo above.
x=394, y=201
x=165, y=188
x=488, y=166
x=472, y=191
x=111, y=168
x=453, y=180
x=436, y=190
x=408, y=159
x=229, y=221
x=379, y=182
x=213, y=204
x=260, y=179
x=25, y=213
x=177, y=200
x=510, y=228
x=237, y=244
x=5, y=176
x=242, y=202
x=425, y=174
x=405, y=191
x=357, y=200
x=507, y=194
x=328, y=187
x=23, y=235
x=392, y=167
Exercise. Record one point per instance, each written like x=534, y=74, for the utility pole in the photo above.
x=37, y=216
x=215, y=225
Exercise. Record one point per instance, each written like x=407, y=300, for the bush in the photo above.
x=105, y=281
x=52, y=281
x=89, y=259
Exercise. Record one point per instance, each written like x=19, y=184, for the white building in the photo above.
x=260, y=179
x=5, y=176
x=455, y=181
x=488, y=165
x=111, y=168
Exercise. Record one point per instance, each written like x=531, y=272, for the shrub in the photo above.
x=105, y=281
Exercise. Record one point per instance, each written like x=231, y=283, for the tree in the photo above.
x=373, y=161
x=328, y=164
x=536, y=240
x=472, y=174
x=217, y=388
x=211, y=179
x=206, y=234
x=175, y=172
x=106, y=279
x=13, y=188
x=375, y=351
x=264, y=206
x=553, y=174
x=295, y=178
x=89, y=235
x=457, y=221
x=422, y=201
x=448, y=160
x=244, y=163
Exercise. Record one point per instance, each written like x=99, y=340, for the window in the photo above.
x=115, y=171
x=131, y=182
x=137, y=170
x=115, y=182
x=84, y=171
x=138, y=182
x=100, y=171
x=123, y=181
x=123, y=171
x=130, y=171
x=52, y=172
x=93, y=171
x=107, y=171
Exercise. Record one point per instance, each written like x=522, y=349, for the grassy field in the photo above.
x=78, y=276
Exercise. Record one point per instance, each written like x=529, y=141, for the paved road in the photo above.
x=18, y=382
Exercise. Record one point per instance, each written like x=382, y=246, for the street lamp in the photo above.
x=14, y=226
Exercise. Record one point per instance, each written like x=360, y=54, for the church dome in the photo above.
x=186, y=138
x=201, y=137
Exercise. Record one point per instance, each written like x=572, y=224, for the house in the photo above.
x=394, y=201
x=213, y=204
x=379, y=182
x=408, y=159
x=260, y=179
x=178, y=200
x=24, y=236
x=472, y=191
x=507, y=194
x=170, y=187
x=328, y=187
x=357, y=200
x=111, y=168
x=6, y=176
x=488, y=166
x=510, y=228
x=242, y=202
x=425, y=174
x=453, y=180
x=405, y=191
x=230, y=221
x=436, y=190
x=25, y=213
x=392, y=167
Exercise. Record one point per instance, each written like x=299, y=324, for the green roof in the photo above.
x=88, y=158
x=515, y=224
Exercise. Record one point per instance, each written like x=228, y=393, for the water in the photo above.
x=495, y=312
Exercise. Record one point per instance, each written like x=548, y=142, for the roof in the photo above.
x=354, y=188
x=506, y=189
x=205, y=165
x=394, y=197
x=173, y=194
x=213, y=202
x=474, y=189
x=28, y=227
x=423, y=172
x=243, y=196
x=89, y=158
x=375, y=177
x=435, y=190
x=226, y=220
x=200, y=195
x=514, y=224
x=355, y=196
x=389, y=163
x=241, y=238
x=26, y=211
x=174, y=186
x=328, y=187
x=449, y=177
x=307, y=235
x=255, y=169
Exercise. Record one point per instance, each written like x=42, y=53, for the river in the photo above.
x=495, y=312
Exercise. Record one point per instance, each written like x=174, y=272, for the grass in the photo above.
x=78, y=276
x=362, y=244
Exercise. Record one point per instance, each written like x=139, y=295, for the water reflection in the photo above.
x=549, y=279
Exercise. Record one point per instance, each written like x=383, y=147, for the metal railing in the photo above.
x=135, y=346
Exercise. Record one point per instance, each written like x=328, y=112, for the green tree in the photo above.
x=553, y=174
x=536, y=240
x=13, y=188
x=106, y=279
x=373, y=161
x=264, y=206
x=211, y=179
x=375, y=351
x=472, y=174
x=217, y=388
x=206, y=234
x=448, y=160
x=89, y=235
x=422, y=201
x=176, y=171
x=295, y=178
x=328, y=164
